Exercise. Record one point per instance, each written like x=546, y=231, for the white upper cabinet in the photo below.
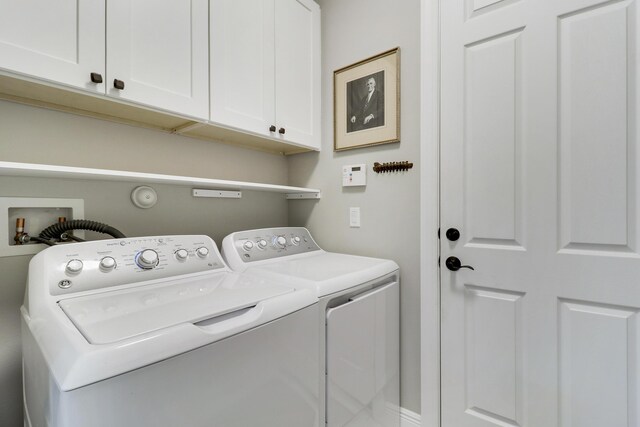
x=297, y=41
x=158, y=51
x=245, y=72
x=265, y=68
x=61, y=41
x=242, y=64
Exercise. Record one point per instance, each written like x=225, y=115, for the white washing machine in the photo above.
x=359, y=319
x=158, y=331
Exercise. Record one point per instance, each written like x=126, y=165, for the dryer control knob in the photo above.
x=181, y=254
x=147, y=259
x=279, y=242
x=262, y=243
x=202, y=252
x=295, y=240
x=107, y=264
x=74, y=266
x=248, y=245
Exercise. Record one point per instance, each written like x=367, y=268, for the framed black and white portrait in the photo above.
x=367, y=102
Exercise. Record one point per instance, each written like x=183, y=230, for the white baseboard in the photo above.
x=409, y=418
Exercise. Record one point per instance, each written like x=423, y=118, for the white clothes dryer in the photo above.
x=358, y=319
x=158, y=331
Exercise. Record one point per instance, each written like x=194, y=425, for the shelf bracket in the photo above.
x=187, y=127
x=220, y=194
x=302, y=196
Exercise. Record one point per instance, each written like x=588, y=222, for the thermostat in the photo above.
x=354, y=175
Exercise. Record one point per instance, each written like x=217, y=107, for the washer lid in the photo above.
x=325, y=272
x=108, y=317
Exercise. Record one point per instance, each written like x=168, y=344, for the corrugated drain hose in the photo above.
x=56, y=230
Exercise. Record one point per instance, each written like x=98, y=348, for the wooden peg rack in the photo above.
x=391, y=167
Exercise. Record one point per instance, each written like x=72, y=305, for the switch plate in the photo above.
x=354, y=175
x=354, y=217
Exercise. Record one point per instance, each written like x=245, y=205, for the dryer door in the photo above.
x=363, y=360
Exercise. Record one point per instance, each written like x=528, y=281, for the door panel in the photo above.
x=160, y=51
x=242, y=64
x=609, y=335
x=60, y=41
x=538, y=163
x=494, y=320
x=297, y=45
x=478, y=7
x=594, y=136
x=492, y=140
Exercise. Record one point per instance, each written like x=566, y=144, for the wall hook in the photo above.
x=392, y=166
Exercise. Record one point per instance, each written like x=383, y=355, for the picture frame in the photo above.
x=366, y=102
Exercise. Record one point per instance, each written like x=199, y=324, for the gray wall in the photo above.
x=36, y=135
x=351, y=31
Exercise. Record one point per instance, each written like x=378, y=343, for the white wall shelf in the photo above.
x=69, y=172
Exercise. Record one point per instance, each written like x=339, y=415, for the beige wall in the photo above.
x=36, y=135
x=351, y=31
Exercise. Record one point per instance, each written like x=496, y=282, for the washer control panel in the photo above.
x=77, y=267
x=266, y=243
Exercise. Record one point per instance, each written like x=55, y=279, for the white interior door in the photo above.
x=538, y=157
x=160, y=53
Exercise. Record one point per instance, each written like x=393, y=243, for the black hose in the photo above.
x=68, y=236
x=41, y=240
x=54, y=231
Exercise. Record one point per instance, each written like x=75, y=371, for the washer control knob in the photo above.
x=279, y=242
x=74, y=266
x=202, y=252
x=107, y=264
x=181, y=254
x=295, y=240
x=262, y=243
x=147, y=259
x=248, y=245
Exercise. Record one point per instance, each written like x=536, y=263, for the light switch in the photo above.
x=354, y=175
x=354, y=217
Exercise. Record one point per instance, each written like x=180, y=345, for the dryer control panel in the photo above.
x=77, y=267
x=266, y=243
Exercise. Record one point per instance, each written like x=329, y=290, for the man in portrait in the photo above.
x=367, y=111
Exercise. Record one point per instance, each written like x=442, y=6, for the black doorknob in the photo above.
x=118, y=84
x=453, y=234
x=454, y=264
x=272, y=128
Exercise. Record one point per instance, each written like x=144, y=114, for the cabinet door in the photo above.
x=60, y=41
x=159, y=50
x=242, y=69
x=297, y=62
